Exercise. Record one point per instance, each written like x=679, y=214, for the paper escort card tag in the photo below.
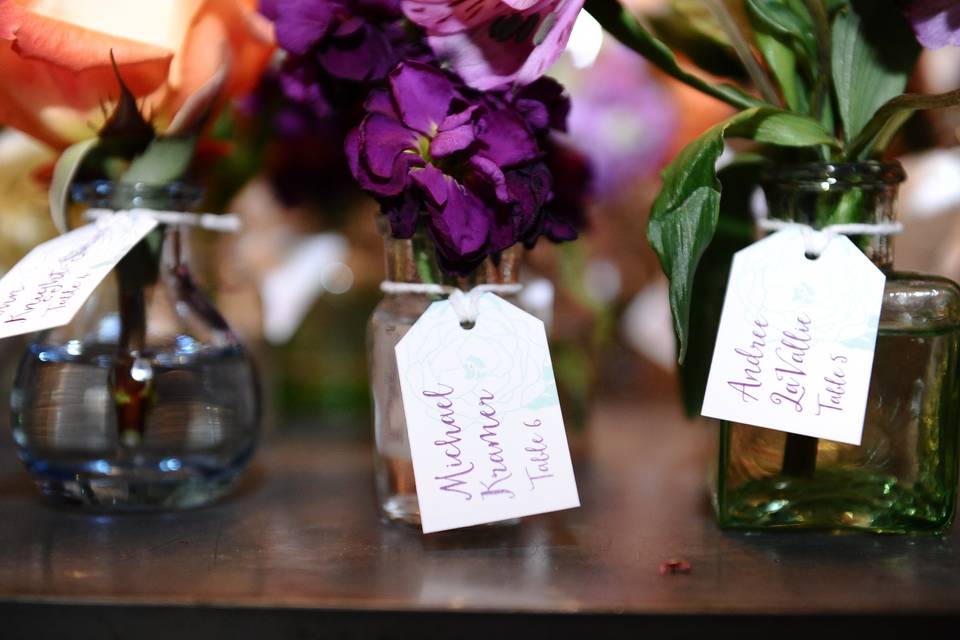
x=483, y=417
x=795, y=346
x=50, y=284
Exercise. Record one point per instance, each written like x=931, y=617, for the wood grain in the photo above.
x=303, y=533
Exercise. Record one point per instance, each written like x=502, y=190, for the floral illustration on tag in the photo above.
x=483, y=417
x=794, y=350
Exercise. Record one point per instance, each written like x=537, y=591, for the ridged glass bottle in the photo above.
x=410, y=261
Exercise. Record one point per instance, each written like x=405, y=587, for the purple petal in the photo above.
x=449, y=142
x=366, y=56
x=509, y=48
x=396, y=184
x=378, y=9
x=379, y=101
x=460, y=228
x=389, y=186
x=422, y=94
x=534, y=112
x=458, y=119
x=505, y=138
x=530, y=190
x=492, y=173
x=349, y=27
x=453, y=16
x=351, y=147
x=545, y=104
x=268, y=8
x=433, y=181
x=299, y=82
x=301, y=24
x=503, y=231
x=403, y=214
x=936, y=22
x=558, y=228
x=383, y=140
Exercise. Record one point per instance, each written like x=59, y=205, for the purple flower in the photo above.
x=936, y=22
x=566, y=214
x=495, y=42
x=622, y=119
x=299, y=160
x=355, y=40
x=467, y=166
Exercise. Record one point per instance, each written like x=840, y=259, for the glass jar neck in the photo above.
x=821, y=195
x=166, y=247
x=106, y=194
x=413, y=260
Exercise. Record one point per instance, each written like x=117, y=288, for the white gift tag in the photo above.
x=795, y=347
x=50, y=284
x=483, y=417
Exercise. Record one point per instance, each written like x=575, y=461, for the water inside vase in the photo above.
x=897, y=481
x=198, y=435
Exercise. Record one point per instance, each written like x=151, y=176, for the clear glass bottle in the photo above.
x=903, y=476
x=146, y=400
x=412, y=261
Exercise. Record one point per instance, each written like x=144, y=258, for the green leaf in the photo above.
x=688, y=27
x=66, y=169
x=168, y=157
x=165, y=160
x=775, y=18
x=874, y=52
x=781, y=128
x=196, y=111
x=888, y=119
x=782, y=62
x=778, y=18
x=735, y=230
x=683, y=218
x=624, y=27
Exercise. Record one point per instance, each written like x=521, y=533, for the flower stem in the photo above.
x=621, y=24
x=800, y=456
x=730, y=27
x=821, y=30
x=132, y=392
x=891, y=116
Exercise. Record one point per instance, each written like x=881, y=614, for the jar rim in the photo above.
x=137, y=193
x=868, y=174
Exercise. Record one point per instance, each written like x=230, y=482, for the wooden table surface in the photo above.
x=302, y=539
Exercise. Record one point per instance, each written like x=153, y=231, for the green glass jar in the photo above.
x=902, y=478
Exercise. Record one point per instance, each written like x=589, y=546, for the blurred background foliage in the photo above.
x=301, y=279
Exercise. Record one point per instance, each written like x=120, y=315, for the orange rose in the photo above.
x=55, y=71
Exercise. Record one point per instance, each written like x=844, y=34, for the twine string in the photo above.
x=225, y=223
x=465, y=303
x=816, y=240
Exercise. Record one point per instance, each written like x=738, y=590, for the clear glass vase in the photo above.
x=146, y=400
x=410, y=261
x=903, y=476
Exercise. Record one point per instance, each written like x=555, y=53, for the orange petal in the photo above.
x=40, y=37
x=56, y=76
x=224, y=31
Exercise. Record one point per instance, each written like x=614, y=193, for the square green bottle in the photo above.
x=902, y=478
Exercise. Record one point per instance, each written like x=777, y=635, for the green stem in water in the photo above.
x=132, y=393
x=800, y=456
